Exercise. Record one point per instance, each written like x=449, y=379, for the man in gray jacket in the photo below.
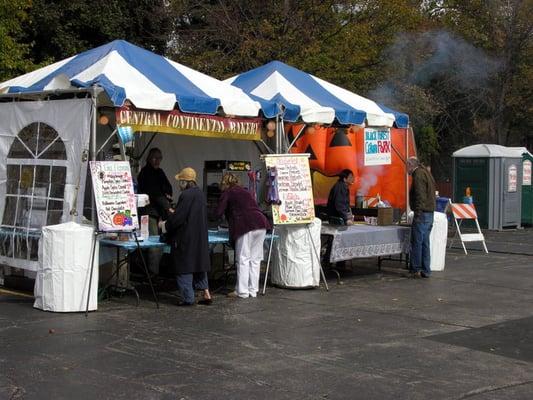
x=422, y=203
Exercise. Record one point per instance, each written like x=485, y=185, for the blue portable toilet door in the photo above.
x=512, y=192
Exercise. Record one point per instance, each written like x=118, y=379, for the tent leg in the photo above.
x=95, y=238
x=145, y=268
x=268, y=260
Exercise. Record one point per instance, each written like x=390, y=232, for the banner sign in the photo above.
x=290, y=175
x=526, y=173
x=377, y=146
x=113, y=193
x=179, y=123
x=512, y=178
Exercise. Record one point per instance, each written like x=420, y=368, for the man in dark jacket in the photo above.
x=422, y=203
x=153, y=182
x=187, y=232
x=339, y=198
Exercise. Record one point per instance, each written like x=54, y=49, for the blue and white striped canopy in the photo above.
x=310, y=99
x=148, y=80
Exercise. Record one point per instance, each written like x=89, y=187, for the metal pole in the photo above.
x=268, y=259
x=94, y=99
x=297, y=137
x=93, y=248
x=407, y=208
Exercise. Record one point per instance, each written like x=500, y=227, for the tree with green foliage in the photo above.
x=336, y=40
x=13, y=51
x=504, y=31
x=63, y=28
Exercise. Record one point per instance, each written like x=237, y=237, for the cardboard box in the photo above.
x=385, y=216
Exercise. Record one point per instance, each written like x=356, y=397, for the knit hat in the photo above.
x=186, y=174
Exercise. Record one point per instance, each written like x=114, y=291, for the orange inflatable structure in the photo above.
x=335, y=149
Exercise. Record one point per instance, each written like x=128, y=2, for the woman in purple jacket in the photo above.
x=247, y=229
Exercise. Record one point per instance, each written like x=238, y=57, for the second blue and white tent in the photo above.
x=304, y=97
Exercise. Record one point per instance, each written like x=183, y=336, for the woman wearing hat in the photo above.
x=247, y=229
x=187, y=232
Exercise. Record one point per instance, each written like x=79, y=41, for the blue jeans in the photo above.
x=420, y=253
x=188, y=283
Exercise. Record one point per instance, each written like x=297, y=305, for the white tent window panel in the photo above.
x=36, y=172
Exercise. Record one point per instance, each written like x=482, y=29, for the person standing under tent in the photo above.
x=422, y=202
x=186, y=229
x=339, y=198
x=153, y=182
x=247, y=229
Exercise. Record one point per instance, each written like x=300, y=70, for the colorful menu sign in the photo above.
x=180, y=123
x=294, y=187
x=377, y=146
x=113, y=193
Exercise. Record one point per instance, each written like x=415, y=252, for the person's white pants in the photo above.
x=248, y=257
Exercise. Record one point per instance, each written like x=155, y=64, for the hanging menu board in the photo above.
x=113, y=192
x=291, y=174
x=377, y=146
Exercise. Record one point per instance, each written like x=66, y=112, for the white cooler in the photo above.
x=437, y=241
x=294, y=261
x=62, y=281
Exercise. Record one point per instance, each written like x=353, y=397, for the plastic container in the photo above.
x=442, y=203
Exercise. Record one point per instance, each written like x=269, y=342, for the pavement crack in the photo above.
x=491, y=389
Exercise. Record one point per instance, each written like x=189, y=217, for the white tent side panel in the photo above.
x=71, y=119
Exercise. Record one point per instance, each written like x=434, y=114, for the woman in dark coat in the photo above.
x=247, y=229
x=188, y=237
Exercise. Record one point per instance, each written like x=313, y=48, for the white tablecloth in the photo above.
x=361, y=241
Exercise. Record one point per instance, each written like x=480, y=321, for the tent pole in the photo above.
x=297, y=137
x=407, y=208
x=95, y=91
x=278, y=147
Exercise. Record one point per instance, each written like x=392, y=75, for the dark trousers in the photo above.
x=420, y=252
x=188, y=283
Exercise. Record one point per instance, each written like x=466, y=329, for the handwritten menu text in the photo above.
x=294, y=187
x=114, y=196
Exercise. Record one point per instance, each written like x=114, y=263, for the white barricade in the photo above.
x=462, y=211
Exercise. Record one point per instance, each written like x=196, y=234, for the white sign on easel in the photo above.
x=295, y=190
x=289, y=176
x=116, y=205
x=114, y=196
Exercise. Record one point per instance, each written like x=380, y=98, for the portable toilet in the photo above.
x=493, y=173
x=527, y=188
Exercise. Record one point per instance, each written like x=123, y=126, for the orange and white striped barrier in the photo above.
x=462, y=211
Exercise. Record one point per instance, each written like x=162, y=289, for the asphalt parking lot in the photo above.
x=465, y=333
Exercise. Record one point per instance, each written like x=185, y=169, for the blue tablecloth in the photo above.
x=215, y=237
